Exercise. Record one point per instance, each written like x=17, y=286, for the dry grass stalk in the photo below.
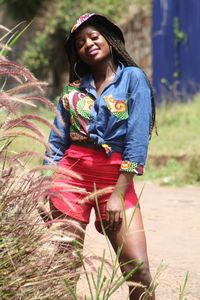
x=29, y=261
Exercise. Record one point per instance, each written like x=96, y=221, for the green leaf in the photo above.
x=12, y=42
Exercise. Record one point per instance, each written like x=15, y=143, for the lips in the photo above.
x=93, y=51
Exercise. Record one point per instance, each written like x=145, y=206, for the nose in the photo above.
x=89, y=43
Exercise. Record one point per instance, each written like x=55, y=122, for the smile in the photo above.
x=92, y=51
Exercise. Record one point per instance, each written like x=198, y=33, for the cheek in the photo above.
x=80, y=53
x=106, y=49
x=106, y=46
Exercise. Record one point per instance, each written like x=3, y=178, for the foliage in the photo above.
x=27, y=264
x=174, y=153
x=49, y=43
x=51, y=24
x=20, y=9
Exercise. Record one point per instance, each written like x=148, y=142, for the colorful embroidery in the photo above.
x=129, y=166
x=65, y=101
x=117, y=107
x=84, y=106
x=79, y=105
x=74, y=119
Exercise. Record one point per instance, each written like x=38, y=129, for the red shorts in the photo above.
x=94, y=167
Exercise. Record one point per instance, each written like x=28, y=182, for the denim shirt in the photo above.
x=118, y=120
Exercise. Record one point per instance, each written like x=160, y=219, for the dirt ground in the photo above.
x=172, y=224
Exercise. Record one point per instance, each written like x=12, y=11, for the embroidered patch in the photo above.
x=74, y=119
x=128, y=166
x=84, y=107
x=65, y=101
x=117, y=107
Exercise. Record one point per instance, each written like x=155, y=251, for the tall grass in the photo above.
x=29, y=263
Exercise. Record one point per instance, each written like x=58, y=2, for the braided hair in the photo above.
x=78, y=69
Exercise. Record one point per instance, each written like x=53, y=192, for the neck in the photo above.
x=104, y=70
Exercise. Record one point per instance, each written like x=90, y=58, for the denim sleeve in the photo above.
x=59, y=144
x=138, y=124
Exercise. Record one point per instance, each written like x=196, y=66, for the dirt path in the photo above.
x=172, y=222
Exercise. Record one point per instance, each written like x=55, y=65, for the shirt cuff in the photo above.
x=128, y=166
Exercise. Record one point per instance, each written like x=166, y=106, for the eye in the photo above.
x=94, y=37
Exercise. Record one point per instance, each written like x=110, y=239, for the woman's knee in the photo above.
x=140, y=275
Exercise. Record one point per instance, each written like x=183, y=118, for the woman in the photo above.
x=109, y=114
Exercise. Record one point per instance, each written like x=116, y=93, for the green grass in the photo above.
x=178, y=128
x=174, y=154
x=21, y=144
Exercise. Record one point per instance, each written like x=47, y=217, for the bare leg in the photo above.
x=69, y=241
x=133, y=242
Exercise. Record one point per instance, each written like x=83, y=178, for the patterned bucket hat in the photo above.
x=96, y=18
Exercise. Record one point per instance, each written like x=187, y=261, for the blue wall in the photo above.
x=176, y=58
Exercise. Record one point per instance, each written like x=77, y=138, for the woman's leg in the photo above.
x=131, y=237
x=69, y=240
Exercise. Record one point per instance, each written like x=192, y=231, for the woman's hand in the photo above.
x=114, y=207
x=114, y=212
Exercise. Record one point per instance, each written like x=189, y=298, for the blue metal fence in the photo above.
x=176, y=48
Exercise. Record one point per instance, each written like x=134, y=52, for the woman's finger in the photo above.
x=118, y=221
x=110, y=218
x=107, y=216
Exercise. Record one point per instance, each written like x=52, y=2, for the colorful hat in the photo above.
x=96, y=18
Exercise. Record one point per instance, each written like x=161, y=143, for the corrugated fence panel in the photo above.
x=176, y=48
x=189, y=14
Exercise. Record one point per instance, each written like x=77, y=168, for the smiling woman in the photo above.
x=91, y=46
x=109, y=114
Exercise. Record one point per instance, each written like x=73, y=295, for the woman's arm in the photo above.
x=135, y=144
x=59, y=143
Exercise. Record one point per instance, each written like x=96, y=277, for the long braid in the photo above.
x=120, y=54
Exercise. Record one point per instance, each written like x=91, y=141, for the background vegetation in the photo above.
x=174, y=156
x=52, y=20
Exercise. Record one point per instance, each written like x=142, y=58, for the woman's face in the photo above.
x=91, y=45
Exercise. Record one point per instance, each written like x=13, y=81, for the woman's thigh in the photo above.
x=130, y=238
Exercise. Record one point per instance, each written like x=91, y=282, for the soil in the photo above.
x=172, y=225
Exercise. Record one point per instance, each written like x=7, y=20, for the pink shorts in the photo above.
x=95, y=168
